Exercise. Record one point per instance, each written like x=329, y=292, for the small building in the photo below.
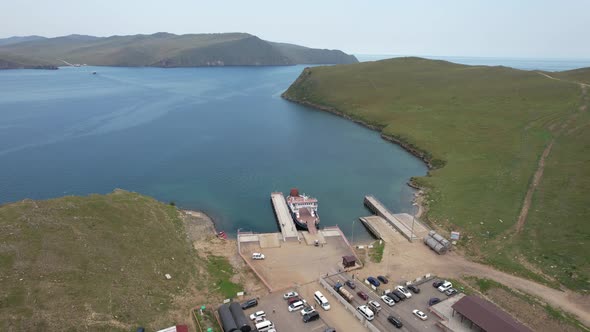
x=177, y=328
x=482, y=315
x=348, y=261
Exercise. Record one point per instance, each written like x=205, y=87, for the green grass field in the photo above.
x=95, y=263
x=484, y=130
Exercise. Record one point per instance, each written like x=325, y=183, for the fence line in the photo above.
x=349, y=307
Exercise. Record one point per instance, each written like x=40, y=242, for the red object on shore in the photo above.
x=294, y=192
x=222, y=235
x=181, y=328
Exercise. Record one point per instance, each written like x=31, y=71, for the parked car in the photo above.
x=433, y=301
x=373, y=281
x=437, y=283
x=249, y=304
x=257, y=256
x=404, y=291
x=445, y=286
x=414, y=289
x=330, y=329
x=366, y=312
x=420, y=314
x=257, y=314
x=388, y=300
x=396, y=322
x=307, y=310
x=383, y=279
x=289, y=295
x=295, y=306
x=293, y=299
x=350, y=284
x=394, y=297
x=314, y=315
x=140, y=329
x=362, y=295
x=451, y=292
x=374, y=305
x=399, y=294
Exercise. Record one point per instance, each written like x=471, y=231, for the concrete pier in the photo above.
x=286, y=223
x=409, y=228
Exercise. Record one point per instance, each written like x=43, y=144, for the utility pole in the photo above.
x=352, y=237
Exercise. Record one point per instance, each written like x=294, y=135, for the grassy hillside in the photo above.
x=581, y=75
x=93, y=263
x=484, y=130
x=169, y=50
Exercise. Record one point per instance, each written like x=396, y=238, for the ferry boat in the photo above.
x=304, y=210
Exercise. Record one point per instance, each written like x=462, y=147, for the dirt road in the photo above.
x=403, y=260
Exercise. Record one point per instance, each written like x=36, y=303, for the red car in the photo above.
x=363, y=295
x=293, y=300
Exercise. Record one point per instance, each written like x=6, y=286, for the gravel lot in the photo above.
x=401, y=310
x=286, y=321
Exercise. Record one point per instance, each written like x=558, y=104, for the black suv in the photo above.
x=350, y=284
x=311, y=316
x=399, y=294
x=396, y=322
x=393, y=297
x=249, y=304
x=433, y=301
x=414, y=289
x=437, y=283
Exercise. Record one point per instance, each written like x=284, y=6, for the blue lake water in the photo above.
x=213, y=139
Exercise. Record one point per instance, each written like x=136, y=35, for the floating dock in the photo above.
x=408, y=227
x=286, y=223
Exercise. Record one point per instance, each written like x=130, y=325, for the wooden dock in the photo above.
x=400, y=224
x=286, y=223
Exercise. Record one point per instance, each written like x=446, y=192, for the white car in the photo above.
x=297, y=306
x=420, y=314
x=257, y=255
x=257, y=314
x=404, y=291
x=374, y=305
x=388, y=300
x=289, y=295
x=445, y=286
x=307, y=310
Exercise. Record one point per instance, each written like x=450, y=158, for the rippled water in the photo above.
x=216, y=139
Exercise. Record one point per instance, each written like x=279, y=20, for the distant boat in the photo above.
x=93, y=73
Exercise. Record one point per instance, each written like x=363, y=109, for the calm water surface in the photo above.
x=215, y=139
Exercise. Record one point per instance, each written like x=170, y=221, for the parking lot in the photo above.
x=285, y=321
x=295, y=263
x=402, y=310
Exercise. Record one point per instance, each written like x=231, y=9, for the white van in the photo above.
x=321, y=300
x=265, y=326
x=296, y=306
x=366, y=312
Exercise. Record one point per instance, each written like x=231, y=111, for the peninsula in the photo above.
x=160, y=50
x=507, y=151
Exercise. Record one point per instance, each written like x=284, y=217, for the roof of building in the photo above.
x=348, y=259
x=487, y=315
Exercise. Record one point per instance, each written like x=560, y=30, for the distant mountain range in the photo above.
x=160, y=50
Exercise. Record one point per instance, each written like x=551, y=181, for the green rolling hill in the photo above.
x=97, y=263
x=167, y=50
x=509, y=151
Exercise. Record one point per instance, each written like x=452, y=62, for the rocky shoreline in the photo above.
x=422, y=155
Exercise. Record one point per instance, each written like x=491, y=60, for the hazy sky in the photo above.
x=516, y=28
